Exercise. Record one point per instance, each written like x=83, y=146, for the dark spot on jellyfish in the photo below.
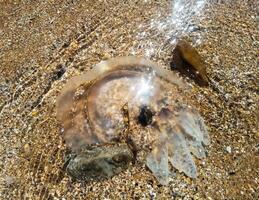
x=187, y=61
x=145, y=116
x=58, y=73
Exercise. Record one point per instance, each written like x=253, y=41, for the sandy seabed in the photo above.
x=44, y=43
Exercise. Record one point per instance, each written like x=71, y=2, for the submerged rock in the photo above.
x=188, y=61
x=130, y=100
x=99, y=162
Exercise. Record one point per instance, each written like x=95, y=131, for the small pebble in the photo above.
x=27, y=149
x=228, y=149
x=9, y=180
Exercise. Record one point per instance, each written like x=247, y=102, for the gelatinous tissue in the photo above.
x=90, y=111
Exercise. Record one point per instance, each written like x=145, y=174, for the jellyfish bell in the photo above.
x=90, y=111
x=107, y=87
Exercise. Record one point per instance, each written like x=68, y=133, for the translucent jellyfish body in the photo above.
x=91, y=108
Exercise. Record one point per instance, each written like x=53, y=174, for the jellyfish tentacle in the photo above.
x=196, y=148
x=157, y=159
x=179, y=154
x=157, y=162
x=195, y=132
x=203, y=128
x=187, y=121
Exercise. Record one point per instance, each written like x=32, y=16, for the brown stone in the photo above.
x=188, y=61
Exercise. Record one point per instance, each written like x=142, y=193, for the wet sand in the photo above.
x=43, y=44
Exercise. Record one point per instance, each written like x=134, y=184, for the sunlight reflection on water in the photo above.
x=181, y=20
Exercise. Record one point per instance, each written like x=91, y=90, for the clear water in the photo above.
x=182, y=19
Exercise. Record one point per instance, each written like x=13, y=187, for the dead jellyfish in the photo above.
x=134, y=102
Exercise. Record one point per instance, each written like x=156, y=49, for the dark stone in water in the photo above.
x=188, y=62
x=145, y=116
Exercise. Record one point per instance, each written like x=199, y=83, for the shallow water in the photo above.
x=44, y=44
